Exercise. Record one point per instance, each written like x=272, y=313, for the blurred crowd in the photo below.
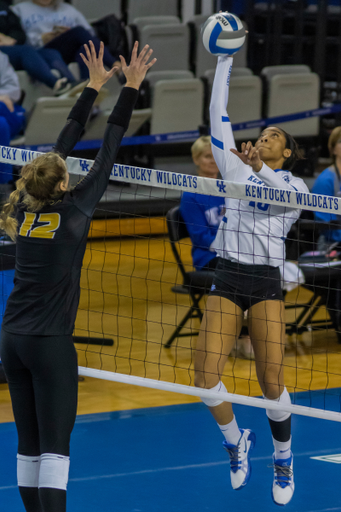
x=41, y=37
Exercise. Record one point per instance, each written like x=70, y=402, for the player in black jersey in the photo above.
x=50, y=224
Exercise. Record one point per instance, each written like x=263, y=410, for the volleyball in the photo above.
x=223, y=34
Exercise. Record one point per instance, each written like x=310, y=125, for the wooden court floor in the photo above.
x=126, y=296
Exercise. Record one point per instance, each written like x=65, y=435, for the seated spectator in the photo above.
x=37, y=63
x=201, y=213
x=53, y=24
x=12, y=116
x=328, y=183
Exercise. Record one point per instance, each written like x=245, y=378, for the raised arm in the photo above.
x=89, y=191
x=221, y=131
x=79, y=114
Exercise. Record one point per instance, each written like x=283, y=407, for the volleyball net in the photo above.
x=142, y=297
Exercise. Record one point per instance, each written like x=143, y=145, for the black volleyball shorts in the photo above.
x=246, y=285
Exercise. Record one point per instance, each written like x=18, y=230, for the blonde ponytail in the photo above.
x=35, y=189
x=7, y=222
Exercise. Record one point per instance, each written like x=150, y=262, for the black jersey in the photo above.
x=51, y=243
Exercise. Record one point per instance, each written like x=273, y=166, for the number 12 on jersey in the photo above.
x=50, y=222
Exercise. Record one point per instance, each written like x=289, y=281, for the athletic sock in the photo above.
x=231, y=432
x=52, y=500
x=282, y=450
x=30, y=498
x=281, y=436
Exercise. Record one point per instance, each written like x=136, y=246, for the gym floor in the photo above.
x=140, y=450
x=171, y=459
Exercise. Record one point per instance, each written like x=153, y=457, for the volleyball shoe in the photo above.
x=283, y=485
x=240, y=458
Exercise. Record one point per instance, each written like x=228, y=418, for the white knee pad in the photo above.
x=54, y=471
x=277, y=414
x=213, y=402
x=28, y=470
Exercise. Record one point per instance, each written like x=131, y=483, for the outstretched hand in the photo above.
x=98, y=74
x=138, y=67
x=249, y=155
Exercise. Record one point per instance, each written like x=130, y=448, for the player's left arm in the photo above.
x=79, y=114
x=281, y=179
x=249, y=155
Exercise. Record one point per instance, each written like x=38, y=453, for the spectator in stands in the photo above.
x=12, y=115
x=329, y=183
x=202, y=213
x=53, y=24
x=37, y=63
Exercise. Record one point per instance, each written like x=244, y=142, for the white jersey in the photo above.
x=251, y=232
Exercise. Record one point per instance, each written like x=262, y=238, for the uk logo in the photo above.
x=84, y=165
x=221, y=186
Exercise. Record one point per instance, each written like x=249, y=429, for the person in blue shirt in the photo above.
x=328, y=183
x=203, y=213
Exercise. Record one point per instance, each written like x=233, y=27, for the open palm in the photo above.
x=98, y=73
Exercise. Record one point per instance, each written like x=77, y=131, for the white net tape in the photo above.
x=189, y=183
x=183, y=182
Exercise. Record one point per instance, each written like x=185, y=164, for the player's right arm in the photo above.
x=79, y=114
x=221, y=130
x=90, y=190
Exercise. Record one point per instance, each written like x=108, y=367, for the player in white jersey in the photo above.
x=250, y=244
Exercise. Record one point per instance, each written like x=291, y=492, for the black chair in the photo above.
x=322, y=277
x=325, y=284
x=196, y=283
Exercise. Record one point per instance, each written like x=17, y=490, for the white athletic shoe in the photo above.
x=240, y=458
x=283, y=485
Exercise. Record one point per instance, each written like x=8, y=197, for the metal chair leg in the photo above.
x=193, y=312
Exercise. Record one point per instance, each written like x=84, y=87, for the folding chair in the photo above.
x=196, y=283
x=325, y=284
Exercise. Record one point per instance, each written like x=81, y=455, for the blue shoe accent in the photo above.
x=240, y=458
x=283, y=486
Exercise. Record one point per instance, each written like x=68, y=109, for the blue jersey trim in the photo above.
x=217, y=143
x=225, y=119
x=224, y=219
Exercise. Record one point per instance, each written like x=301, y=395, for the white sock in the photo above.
x=231, y=432
x=282, y=450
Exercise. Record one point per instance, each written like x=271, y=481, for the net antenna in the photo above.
x=135, y=305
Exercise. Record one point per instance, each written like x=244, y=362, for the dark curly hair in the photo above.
x=296, y=153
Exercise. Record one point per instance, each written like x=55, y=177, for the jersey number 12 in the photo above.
x=50, y=222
